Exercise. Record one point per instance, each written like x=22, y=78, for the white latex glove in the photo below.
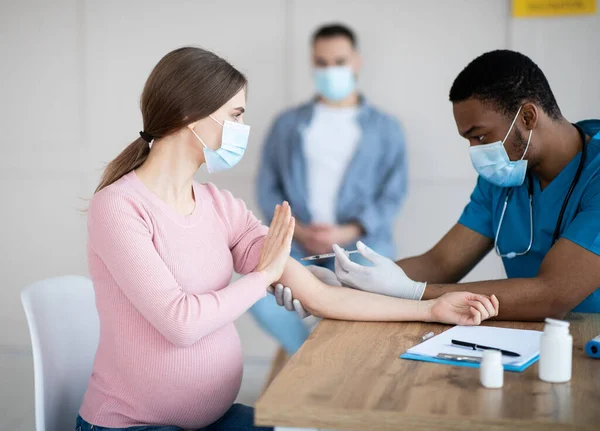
x=283, y=295
x=385, y=277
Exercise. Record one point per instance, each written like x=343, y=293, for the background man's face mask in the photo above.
x=492, y=163
x=234, y=141
x=334, y=83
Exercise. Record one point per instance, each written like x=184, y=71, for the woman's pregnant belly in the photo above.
x=160, y=383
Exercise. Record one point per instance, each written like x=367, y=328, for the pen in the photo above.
x=427, y=336
x=325, y=256
x=474, y=346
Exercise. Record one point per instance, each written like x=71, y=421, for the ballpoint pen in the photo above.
x=474, y=346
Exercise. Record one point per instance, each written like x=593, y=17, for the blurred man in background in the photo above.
x=339, y=162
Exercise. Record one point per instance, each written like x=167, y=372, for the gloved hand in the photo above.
x=283, y=295
x=385, y=277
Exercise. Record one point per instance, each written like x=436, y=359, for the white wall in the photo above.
x=72, y=72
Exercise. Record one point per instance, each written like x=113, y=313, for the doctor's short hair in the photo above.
x=335, y=30
x=506, y=79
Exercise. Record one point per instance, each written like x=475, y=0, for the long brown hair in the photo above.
x=186, y=85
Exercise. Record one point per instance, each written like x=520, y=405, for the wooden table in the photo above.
x=348, y=376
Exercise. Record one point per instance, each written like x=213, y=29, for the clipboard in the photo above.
x=524, y=342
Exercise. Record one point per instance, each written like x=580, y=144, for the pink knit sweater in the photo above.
x=169, y=353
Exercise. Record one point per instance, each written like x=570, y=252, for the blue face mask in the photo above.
x=492, y=163
x=334, y=83
x=234, y=141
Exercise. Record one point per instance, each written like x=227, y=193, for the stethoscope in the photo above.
x=514, y=254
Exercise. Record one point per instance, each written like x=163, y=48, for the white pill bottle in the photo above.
x=556, y=352
x=491, y=371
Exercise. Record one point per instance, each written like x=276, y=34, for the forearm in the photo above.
x=343, y=303
x=424, y=268
x=451, y=259
x=525, y=299
x=184, y=318
x=348, y=304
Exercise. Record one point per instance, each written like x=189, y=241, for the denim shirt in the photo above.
x=372, y=190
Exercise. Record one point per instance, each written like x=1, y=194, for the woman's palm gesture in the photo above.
x=278, y=243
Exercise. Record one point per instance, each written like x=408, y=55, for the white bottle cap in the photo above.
x=556, y=322
x=554, y=327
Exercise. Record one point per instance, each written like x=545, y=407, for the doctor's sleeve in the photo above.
x=584, y=230
x=477, y=215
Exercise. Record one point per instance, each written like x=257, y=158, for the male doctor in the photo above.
x=536, y=203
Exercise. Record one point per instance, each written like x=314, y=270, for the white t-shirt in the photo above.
x=329, y=145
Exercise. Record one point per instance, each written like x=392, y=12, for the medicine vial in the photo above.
x=491, y=372
x=556, y=352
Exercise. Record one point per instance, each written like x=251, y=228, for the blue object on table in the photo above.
x=592, y=347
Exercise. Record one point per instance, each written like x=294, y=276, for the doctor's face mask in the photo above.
x=498, y=158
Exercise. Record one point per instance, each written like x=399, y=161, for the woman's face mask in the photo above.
x=234, y=140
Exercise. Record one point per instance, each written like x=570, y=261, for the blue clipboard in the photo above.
x=514, y=368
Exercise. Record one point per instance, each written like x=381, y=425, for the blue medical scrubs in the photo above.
x=581, y=221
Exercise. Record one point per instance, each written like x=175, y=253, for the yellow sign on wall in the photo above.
x=533, y=8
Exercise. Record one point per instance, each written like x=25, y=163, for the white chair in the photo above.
x=64, y=329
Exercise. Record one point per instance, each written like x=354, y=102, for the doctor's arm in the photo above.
x=463, y=247
x=451, y=259
x=568, y=274
x=447, y=262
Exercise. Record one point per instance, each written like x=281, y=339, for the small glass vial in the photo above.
x=556, y=352
x=491, y=372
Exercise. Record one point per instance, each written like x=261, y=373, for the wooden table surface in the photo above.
x=348, y=376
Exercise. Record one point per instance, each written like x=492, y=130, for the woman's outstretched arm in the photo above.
x=343, y=303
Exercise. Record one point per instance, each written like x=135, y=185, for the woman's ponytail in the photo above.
x=130, y=158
